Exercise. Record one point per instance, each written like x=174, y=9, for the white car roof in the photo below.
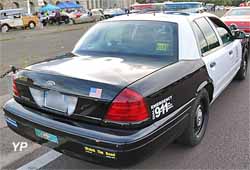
x=176, y=17
x=188, y=48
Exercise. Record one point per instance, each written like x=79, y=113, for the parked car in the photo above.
x=148, y=6
x=62, y=19
x=130, y=83
x=109, y=13
x=16, y=18
x=210, y=7
x=73, y=14
x=98, y=14
x=239, y=16
x=84, y=17
x=195, y=7
x=219, y=8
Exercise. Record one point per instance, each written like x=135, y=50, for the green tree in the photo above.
x=141, y=1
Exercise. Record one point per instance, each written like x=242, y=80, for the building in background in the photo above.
x=89, y=4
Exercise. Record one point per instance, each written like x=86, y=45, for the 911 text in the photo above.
x=162, y=107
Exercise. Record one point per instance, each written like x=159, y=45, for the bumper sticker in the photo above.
x=95, y=92
x=100, y=152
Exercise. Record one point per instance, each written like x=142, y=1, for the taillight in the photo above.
x=128, y=106
x=14, y=87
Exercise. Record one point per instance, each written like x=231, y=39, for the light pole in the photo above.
x=28, y=6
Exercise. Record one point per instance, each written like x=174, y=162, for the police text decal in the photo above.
x=162, y=107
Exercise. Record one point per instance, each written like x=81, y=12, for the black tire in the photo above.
x=198, y=120
x=32, y=25
x=66, y=21
x=51, y=22
x=5, y=28
x=102, y=18
x=73, y=21
x=242, y=73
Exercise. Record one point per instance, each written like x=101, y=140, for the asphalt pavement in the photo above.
x=226, y=144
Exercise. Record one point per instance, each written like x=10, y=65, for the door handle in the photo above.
x=231, y=52
x=213, y=64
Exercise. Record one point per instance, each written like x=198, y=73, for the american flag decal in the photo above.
x=95, y=92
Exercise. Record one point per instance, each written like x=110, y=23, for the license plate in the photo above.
x=47, y=136
x=55, y=100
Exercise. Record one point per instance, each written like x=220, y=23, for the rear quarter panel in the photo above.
x=177, y=84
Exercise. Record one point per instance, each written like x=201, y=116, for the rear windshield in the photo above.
x=151, y=39
x=238, y=12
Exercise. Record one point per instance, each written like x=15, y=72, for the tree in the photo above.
x=141, y=1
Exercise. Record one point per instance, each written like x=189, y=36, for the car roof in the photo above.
x=174, y=16
x=242, y=7
x=18, y=10
x=182, y=3
x=96, y=9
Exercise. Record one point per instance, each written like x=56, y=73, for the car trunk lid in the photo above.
x=94, y=81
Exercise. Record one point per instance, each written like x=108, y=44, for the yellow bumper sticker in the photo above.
x=99, y=152
x=89, y=150
x=110, y=155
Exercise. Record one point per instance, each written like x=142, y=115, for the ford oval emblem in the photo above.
x=50, y=84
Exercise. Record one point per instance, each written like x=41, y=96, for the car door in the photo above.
x=214, y=55
x=231, y=46
x=17, y=20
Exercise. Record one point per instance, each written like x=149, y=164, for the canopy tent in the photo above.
x=49, y=7
x=67, y=5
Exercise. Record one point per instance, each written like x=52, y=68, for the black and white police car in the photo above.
x=130, y=82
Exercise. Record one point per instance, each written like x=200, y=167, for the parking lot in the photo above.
x=226, y=144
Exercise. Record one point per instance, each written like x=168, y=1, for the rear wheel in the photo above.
x=72, y=21
x=32, y=25
x=66, y=21
x=102, y=18
x=198, y=120
x=5, y=28
x=242, y=73
x=51, y=21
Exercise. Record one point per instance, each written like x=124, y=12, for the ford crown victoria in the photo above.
x=130, y=83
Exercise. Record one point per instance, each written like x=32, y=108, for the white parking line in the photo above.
x=41, y=161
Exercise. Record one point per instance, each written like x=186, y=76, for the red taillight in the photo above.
x=14, y=87
x=128, y=106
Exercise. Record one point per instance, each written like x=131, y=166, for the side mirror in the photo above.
x=239, y=34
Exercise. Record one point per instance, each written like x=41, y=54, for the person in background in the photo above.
x=40, y=16
x=44, y=18
x=63, y=12
x=126, y=10
x=58, y=17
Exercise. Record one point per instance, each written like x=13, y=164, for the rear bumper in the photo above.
x=86, y=143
